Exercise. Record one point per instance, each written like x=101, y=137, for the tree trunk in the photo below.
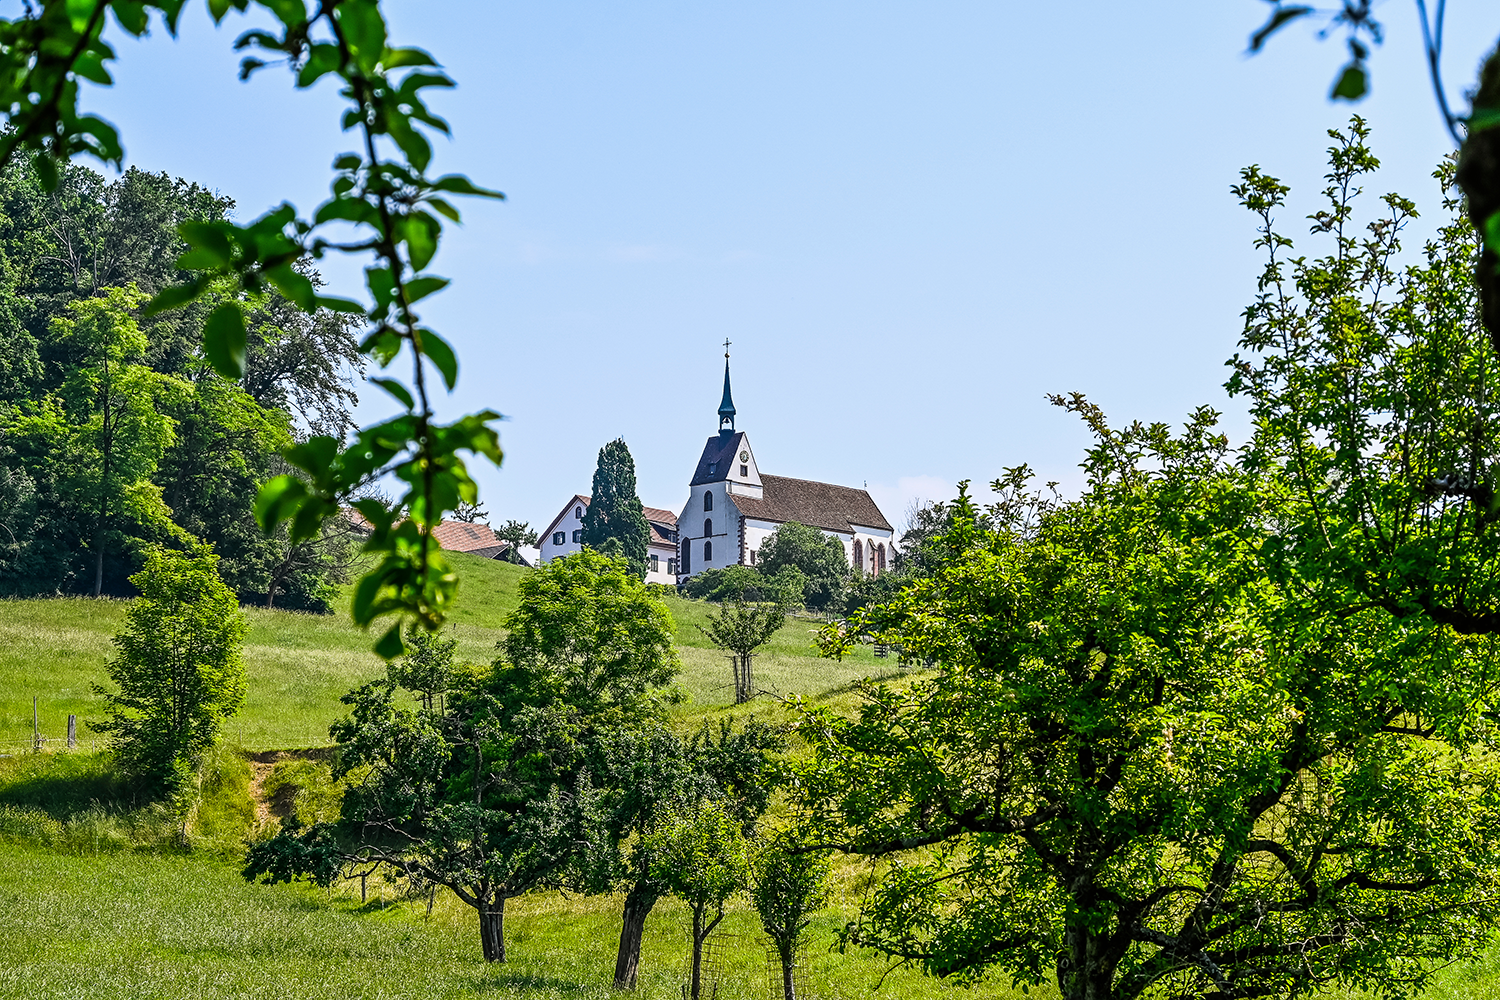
x=1084, y=971
x=638, y=904
x=695, y=983
x=492, y=930
x=788, y=960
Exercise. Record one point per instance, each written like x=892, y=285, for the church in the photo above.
x=737, y=507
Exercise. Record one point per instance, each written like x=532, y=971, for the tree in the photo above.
x=1391, y=497
x=426, y=668
x=1146, y=764
x=741, y=629
x=614, y=510
x=517, y=534
x=701, y=858
x=787, y=888
x=383, y=192
x=651, y=776
x=818, y=556
x=488, y=791
x=471, y=513
x=178, y=672
x=115, y=402
x=590, y=624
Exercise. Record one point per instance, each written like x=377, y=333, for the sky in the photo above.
x=912, y=220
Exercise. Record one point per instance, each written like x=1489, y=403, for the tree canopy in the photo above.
x=614, y=522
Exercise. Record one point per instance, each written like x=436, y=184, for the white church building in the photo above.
x=733, y=507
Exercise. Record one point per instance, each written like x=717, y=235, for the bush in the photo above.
x=179, y=671
x=727, y=583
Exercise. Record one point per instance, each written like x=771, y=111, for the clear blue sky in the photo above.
x=912, y=219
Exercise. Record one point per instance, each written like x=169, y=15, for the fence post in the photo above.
x=72, y=731
x=36, y=735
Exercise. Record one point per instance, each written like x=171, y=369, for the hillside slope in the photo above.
x=298, y=665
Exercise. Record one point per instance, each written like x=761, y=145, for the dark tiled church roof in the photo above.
x=717, y=454
x=821, y=505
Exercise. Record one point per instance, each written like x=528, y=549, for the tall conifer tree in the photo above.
x=615, y=523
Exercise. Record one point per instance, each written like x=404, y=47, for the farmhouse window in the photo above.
x=559, y=538
x=577, y=535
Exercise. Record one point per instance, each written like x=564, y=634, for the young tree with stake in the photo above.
x=787, y=889
x=701, y=858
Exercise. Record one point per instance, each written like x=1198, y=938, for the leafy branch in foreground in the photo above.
x=382, y=192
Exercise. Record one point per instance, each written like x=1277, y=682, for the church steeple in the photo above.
x=726, y=407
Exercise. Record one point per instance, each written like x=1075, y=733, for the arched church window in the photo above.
x=708, y=501
x=687, y=558
x=708, y=526
x=880, y=557
x=859, y=556
x=708, y=550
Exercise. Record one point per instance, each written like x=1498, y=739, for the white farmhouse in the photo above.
x=733, y=507
x=564, y=536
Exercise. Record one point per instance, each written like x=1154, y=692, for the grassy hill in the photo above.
x=298, y=665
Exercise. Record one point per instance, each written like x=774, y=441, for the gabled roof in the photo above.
x=821, y=505
x=461, y=536
x=577, y=498
x=718, y=452
x=659, y=516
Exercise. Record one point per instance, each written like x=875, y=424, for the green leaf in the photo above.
x=396, y=58
x=321, y=60
x=348, y=161
x=224, y=341
x=459, y=184
x=421, y=232
x=294, y=285
x=396, y=389
x=364, y=27
x=440, y=352
x=209, y=241
x=79, y=12
x=390, y=645
x=292, y=13
x=418, y=289
x=89, y=66
x=175, y=296
x=277, y=499
x=335, y=304
x=1352, y=84
x=383, y=345
x=46, y=170
x=1280, y=18
x=131, y=16
x=345, y=209
x=217, y=9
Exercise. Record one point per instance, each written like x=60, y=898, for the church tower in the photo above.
x=710, y=529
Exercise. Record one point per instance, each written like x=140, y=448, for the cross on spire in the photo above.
x=727, y=342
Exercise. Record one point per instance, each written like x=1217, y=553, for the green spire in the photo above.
x=726, y=408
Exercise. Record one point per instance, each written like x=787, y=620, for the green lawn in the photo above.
x=128, y=925
x=298, y=665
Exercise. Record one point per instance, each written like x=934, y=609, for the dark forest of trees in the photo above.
x=115, y=434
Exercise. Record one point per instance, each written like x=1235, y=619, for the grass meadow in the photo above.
x=99, y=896
x=103, y=896
x=298, y=665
